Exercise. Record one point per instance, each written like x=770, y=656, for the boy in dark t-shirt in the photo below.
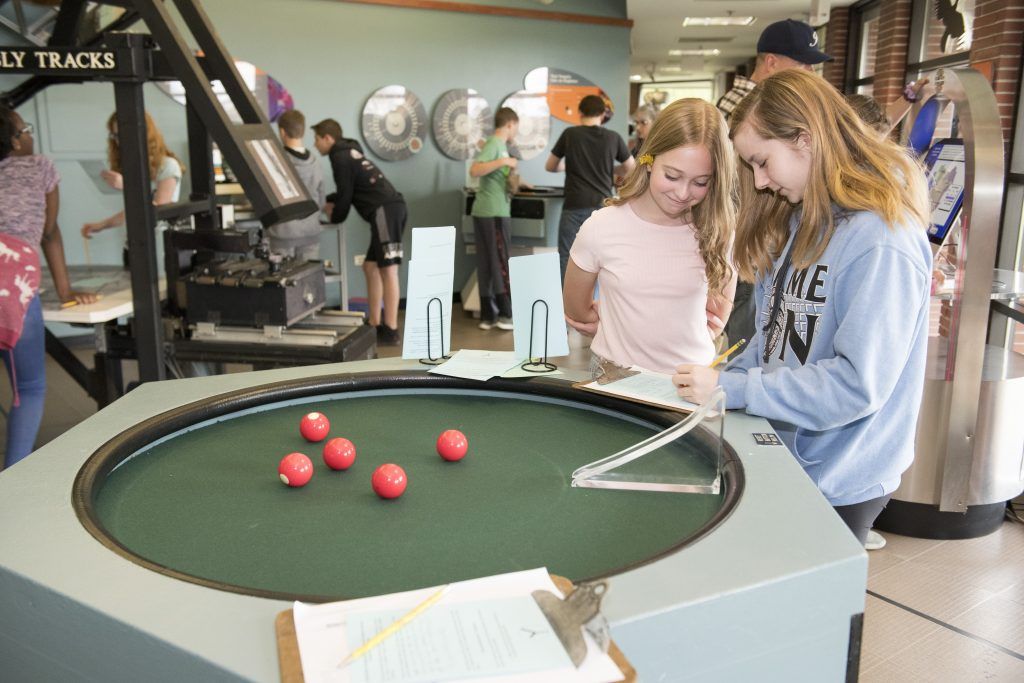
x=588, y=153
x=361, y=184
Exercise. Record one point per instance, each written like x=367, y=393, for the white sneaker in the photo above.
x=504, y=323
x=874, y=541
x=485, y=324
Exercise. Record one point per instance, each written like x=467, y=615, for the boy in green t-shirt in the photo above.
x=492, y=211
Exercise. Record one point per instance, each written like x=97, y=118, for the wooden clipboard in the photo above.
x=291, y=665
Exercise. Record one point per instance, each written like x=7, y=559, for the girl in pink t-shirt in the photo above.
x=661, y=250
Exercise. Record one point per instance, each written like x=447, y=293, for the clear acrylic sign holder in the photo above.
x=610, y=473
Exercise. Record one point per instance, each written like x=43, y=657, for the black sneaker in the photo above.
x=387, y=336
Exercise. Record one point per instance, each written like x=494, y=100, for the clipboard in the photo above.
x=92, y=168
x=611, y=373
x=632, y=399
x=291, y=666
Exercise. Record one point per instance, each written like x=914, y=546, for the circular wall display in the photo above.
x=462, y=119
x=394, y=123
x=534, y=123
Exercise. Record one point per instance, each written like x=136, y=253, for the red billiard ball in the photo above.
x=295, y=469
x=389, y=481
x=314, y=427
x=452, y=445
x=339, y=454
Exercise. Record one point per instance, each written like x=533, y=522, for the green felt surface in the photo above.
x=208, y=502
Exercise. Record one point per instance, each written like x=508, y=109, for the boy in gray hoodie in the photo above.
x=299, y=238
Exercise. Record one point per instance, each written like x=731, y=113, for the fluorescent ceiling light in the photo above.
x=670, y=69
x=697, y=52
x=636, y=77
x=719, y=21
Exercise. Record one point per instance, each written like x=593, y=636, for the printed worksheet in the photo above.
x=468, y=640
x=487, y=629
x=478, y=365
x=646, y=387
x=537, y=306
x=428, y=300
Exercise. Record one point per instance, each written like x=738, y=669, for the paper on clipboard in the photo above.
x=324, y=640
x=643, y=386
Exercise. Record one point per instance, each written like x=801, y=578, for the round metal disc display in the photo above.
x=462, y=119
x=534, y=123
x=394, y=123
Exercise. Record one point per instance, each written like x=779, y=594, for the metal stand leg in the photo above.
x=343, y=265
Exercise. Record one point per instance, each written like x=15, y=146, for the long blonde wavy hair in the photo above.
x=155, y=145
x=693, y=122
x=851, y=167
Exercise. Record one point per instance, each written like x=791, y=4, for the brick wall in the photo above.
x=836, y=40
x=998, y=37
x=891, y=55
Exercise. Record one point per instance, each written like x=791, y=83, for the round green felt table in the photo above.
x=195, y=493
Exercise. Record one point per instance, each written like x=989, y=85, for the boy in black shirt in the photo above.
x=361, y=184
x=588, y=154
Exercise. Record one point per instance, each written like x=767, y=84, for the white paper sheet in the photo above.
x=648, y=386
x=478, y=365
x=532, y=278
x=480, y=639
x=431, y=276
x=434, y=244
x=322, y=631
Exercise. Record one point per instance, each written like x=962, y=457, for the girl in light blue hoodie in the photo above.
x=832, y=231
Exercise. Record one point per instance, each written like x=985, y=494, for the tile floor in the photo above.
x=936, y=611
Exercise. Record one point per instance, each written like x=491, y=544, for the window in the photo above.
x=863, y=46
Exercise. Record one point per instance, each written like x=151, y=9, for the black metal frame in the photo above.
x=137, y=61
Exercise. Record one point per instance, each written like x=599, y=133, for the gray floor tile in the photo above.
x=946, y=656
x=927, y=590
x=889, y=630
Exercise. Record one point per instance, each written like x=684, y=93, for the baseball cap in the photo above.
x=793, y=39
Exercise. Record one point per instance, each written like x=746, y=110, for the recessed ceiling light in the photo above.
x=696, y=52
x=719, y=21
x=636, y=77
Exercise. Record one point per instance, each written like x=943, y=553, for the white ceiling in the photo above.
x=658, y=28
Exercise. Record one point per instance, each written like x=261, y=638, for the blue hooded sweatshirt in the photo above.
x=845, y=365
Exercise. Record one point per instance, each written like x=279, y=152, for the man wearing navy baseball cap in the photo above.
x=786, y=44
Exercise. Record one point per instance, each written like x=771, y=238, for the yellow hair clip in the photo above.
x=645, y=160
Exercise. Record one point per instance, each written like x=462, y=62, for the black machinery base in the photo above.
x=104, y=380
x=927, y=521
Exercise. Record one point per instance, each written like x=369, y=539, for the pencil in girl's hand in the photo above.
x=728, y=352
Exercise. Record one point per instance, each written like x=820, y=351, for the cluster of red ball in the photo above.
x=389, y=480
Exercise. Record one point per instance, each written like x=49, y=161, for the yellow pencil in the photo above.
x=393, y=628
x=728, y=352
x=69, y=304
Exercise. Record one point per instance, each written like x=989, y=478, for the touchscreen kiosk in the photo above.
x=946, y=171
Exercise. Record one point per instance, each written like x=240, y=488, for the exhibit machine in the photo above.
x=970, y=438
x=227, y=298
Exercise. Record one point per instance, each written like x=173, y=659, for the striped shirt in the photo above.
x=741, y=87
